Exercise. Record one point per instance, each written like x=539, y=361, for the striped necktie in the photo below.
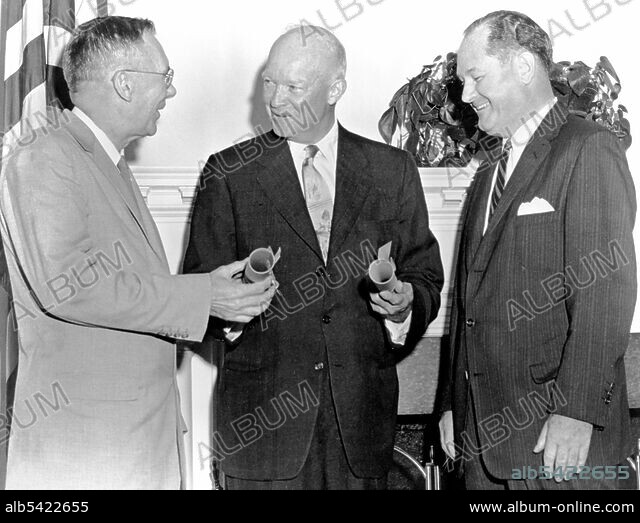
x=318, y=198
x=501, y=180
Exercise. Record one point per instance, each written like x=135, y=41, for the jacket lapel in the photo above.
x=353, y=184
x=534, y=154
x=110, y=176
x=476, y=209
x=149, y=227
x=279, y=179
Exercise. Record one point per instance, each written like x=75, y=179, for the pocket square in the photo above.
x=537, y=206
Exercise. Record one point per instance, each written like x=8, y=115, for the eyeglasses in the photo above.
x=168, y=76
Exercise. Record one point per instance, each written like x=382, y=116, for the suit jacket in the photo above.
x=96, y=403
x=321, y=322
x=543, y=303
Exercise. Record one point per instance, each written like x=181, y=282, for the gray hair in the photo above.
x=511, y=31
x=99, y=44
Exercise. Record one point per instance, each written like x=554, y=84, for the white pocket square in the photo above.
x=537, y=206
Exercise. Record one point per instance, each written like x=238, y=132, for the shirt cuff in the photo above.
x=398, y=332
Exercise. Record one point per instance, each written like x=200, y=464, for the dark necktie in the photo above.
x=318, y=198
x=501, y=180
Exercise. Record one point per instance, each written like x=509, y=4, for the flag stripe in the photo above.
x=103, y=8
x=13, y=12
x=57, y=39
x=60, y=13
x=21, y=34
x=88, y=10
x=4, y=9
x=62, y=19
x=25, y=80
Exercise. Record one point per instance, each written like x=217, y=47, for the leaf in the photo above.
x=579, y=79
x=401, y=92
x=401, y=108
x=388, y=125
x=412, y=144
x=606, y=81
x=606, y=65
x=615, y=93
x=561, y=88
x=438, y=96
x=446, y=117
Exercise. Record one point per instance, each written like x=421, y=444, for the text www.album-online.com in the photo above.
x=577, y=507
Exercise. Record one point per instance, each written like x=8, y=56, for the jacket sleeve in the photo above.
x=599, y=221
x=212, y=239
x=418, y=257
x=68, y=272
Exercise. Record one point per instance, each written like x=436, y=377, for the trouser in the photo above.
x=326, y=466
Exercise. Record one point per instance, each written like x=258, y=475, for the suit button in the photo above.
x=321, y=273
x=319, y=367
x=326, y=319
x=471, y=323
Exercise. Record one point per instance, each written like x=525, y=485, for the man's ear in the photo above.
x=122, y=85
x=527, y=65
x=337, y=90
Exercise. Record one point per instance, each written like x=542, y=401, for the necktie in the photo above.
x=319, y=201
x=130, y=183
x=125, y=171
x=501, y=180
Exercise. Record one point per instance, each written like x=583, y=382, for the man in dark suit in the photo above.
x=546, y=281
x=308, y=396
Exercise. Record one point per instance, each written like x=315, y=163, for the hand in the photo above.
x=234, y=301
x=446, y=434
x=565, y=442
x=396, y=305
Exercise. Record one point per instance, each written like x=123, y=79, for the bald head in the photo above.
x=316, y=46
x=303, y=81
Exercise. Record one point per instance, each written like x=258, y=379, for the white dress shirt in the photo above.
x=519, y=141
x=103, y=139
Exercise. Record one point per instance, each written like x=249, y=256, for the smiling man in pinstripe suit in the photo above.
x=546, y=279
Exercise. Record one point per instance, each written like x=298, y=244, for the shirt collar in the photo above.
x=521, y=138
x=328, y=146
x=103, y=139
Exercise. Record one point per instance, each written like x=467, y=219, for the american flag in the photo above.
x=33, y=34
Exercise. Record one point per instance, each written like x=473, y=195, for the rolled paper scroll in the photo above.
x=382, y=272
x=260, y=265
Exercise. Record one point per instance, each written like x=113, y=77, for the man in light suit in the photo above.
x=96, y=403
x=308, y=395
x=546, y=281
